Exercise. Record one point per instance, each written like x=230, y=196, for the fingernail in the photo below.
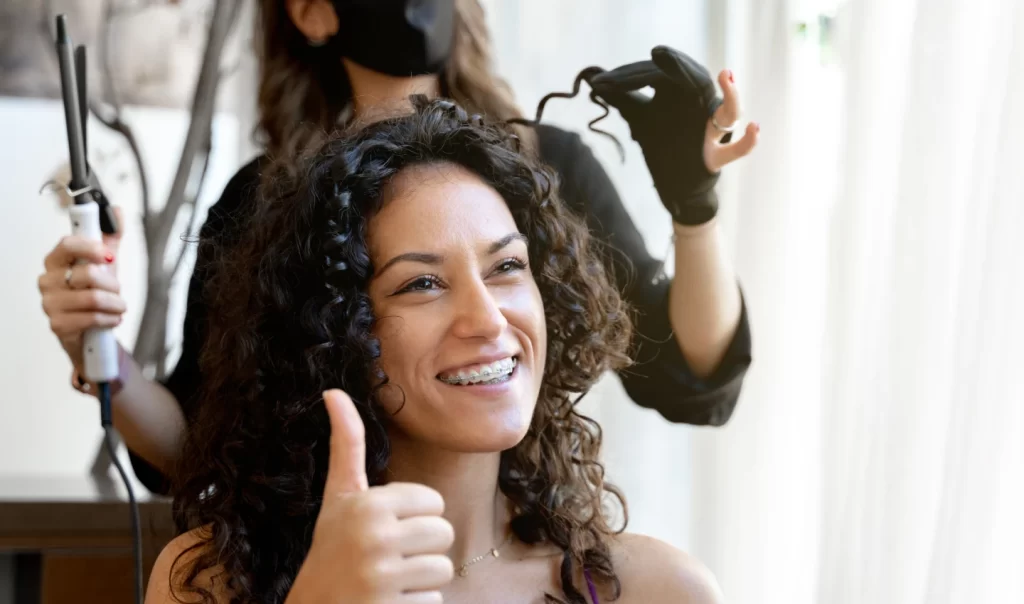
x=757, y=127
x=109, y=257
x=730, y=76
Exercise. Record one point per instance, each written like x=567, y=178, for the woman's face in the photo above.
x=460, y=318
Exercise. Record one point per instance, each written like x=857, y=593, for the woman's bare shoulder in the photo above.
x=171, y=570
x=651, y=570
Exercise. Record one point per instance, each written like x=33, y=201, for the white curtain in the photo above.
x=877, y=454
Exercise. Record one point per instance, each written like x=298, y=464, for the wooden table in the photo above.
x=72, y=541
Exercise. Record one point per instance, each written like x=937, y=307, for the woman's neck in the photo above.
x=468, y=482
x=378, y=96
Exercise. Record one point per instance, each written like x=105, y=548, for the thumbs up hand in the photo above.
x=372, y=545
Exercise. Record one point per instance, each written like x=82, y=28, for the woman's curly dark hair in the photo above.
x=290, y=317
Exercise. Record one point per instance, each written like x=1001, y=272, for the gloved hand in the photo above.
x=676, y=128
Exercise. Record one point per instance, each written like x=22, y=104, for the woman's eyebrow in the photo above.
x=436, y=259
x=504, y=241
x=417, y=257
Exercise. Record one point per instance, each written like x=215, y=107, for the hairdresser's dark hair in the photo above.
x=290, y=317
x=303, y=90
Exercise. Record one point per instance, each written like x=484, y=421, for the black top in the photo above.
x=660, y=379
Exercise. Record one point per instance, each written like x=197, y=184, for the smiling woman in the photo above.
x=427, y=268
x=459, y=316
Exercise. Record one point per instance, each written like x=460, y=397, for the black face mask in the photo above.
x=396, y=37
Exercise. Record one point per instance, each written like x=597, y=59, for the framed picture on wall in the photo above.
x=153, y=48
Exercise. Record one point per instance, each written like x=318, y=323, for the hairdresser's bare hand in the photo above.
x=718, y=154
x=89, y=295
x=372, y=544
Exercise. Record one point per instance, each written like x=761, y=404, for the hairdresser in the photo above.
x=329, y=63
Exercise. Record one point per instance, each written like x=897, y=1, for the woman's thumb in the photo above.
x=346, y=472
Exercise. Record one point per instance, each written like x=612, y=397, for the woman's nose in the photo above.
x=477, y=313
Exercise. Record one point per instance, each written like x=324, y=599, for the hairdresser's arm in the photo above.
x=148, y=417
x=151, y=415
x=703, y=391
x=705, y=306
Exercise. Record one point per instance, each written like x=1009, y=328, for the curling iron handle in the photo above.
x=99, y=346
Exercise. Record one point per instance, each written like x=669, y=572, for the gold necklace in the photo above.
x=494, y=552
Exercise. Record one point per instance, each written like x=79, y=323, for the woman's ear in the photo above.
x=316, y=19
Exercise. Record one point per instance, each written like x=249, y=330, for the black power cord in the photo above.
x=106, y=419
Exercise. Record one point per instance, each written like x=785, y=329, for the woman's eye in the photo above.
x=509, y=265
x=420, y=284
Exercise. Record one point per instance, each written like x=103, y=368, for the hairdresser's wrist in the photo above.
x=116, y=385
x=694, y=231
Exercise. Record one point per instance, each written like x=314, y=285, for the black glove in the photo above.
x=670, y=126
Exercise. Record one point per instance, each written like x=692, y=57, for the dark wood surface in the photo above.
x=72, y=533
x=60, y=506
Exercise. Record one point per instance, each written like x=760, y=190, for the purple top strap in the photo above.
x=590, y=586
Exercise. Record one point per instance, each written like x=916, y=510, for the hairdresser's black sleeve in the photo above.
x=220, y=228
x=661, y=379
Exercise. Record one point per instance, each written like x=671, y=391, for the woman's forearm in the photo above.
x=705, y=305
x=148, y=417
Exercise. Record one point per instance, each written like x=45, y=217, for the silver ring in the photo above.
x=723, y=129
x=67, y=276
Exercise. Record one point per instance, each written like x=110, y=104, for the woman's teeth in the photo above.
x=491, y=373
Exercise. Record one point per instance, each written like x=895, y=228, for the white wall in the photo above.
x=540, y=48
x=45, y=426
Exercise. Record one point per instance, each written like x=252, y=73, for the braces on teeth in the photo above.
x=492, y=374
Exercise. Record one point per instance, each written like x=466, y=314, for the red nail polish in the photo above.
x=730, y=77
x=109, y=257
